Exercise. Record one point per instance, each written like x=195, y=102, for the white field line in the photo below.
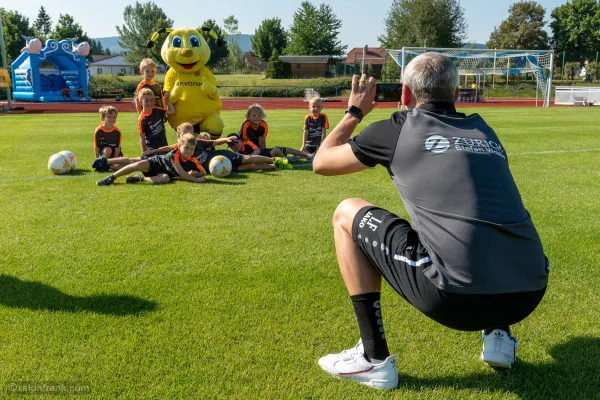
x=48, y=177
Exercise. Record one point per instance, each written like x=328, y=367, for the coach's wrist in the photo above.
x=355, y=112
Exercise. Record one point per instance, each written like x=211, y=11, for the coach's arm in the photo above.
x=335, y=156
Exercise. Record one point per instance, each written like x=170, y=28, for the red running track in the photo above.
x=269, y=103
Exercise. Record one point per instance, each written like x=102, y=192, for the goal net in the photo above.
x=483, y=62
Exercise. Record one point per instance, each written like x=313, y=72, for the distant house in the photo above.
x=100, y=58
x=113, y=65
x=254, y=62
x=374, y=55
x=308, y=66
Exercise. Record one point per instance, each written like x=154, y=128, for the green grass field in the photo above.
x=230, y=289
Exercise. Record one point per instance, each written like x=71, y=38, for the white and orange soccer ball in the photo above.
x=58, y=164
x=220, y=166
x=71, y=157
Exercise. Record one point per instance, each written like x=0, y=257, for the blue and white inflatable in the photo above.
x=32, y=83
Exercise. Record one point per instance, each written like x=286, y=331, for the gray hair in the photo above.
x=432, y=77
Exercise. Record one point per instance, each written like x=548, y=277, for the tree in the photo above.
x=523, y=29
x=278, y=69
x=233, y=35
x=43, y=23
x=576, y=26
x=218, y=53
x=96, y=48
x=269, y=38
x=314, y=32
x=141, y=21
x=15, y=25
x=67, y=28
x=433, y=23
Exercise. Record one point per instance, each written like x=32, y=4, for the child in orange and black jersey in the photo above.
x=148, y=71
x=177, y=163
x=315, y=126
x=151, y=126
x=107, y=137
x=254, y=130
x=107, y=141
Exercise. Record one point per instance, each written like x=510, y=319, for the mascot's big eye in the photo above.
x=177, y=42
x=194, y=41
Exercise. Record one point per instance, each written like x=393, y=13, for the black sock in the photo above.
x=504, y=328
x=368, y=313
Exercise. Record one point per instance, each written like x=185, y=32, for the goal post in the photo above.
x=484, y=62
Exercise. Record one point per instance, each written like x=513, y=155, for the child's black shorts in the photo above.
x=113, y=150
x=235, y=158
x=311, y=149
x=158, y=165
x=395, y=251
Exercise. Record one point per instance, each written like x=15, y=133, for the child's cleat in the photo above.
x=499, y=349
x=294, y=159
x=106, y=181
x=97, y=164
x=134, y=179
x=310, y=157
x=351, y=364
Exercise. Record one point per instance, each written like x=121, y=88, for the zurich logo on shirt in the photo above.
x=437, y=144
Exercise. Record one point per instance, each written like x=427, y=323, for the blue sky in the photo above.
x=362, y=21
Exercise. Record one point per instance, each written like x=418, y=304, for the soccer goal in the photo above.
x=482, y=62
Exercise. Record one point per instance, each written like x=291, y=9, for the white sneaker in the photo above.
x=351, y=364
x=499, y=349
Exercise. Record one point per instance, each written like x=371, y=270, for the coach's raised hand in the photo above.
x=363, y=93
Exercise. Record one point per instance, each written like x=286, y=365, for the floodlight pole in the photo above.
x=2, y=45
x=362, y=70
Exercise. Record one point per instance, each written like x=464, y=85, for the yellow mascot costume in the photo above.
x=189, y=85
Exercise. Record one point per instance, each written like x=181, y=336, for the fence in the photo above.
x=579, y=95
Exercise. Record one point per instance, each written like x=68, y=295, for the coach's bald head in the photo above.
x=429, y=77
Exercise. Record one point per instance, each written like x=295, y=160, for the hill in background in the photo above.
x=112, y=43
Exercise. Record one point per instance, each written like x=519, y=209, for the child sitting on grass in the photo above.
x=177, y=163
x=107, y=139
x=255, y=130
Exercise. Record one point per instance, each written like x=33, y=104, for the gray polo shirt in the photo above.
x=452, y=174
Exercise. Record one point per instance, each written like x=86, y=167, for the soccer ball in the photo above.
x=70, y=157
x=58, y=164
x=220, y=166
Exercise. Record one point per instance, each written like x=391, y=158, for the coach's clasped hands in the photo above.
x=363, y=94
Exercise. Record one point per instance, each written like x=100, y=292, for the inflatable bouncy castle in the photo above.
x=68, y=81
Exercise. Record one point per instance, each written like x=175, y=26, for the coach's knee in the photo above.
x=343, y=215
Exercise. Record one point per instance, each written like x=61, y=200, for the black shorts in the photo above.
x=113, y=150
x=158, y=165
x=266, y=152
x=235, y=158
x=311, y=149
x=397, y=254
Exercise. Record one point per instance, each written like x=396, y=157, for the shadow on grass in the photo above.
x=37, y=296
x=80, y=171
x=572, y=374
